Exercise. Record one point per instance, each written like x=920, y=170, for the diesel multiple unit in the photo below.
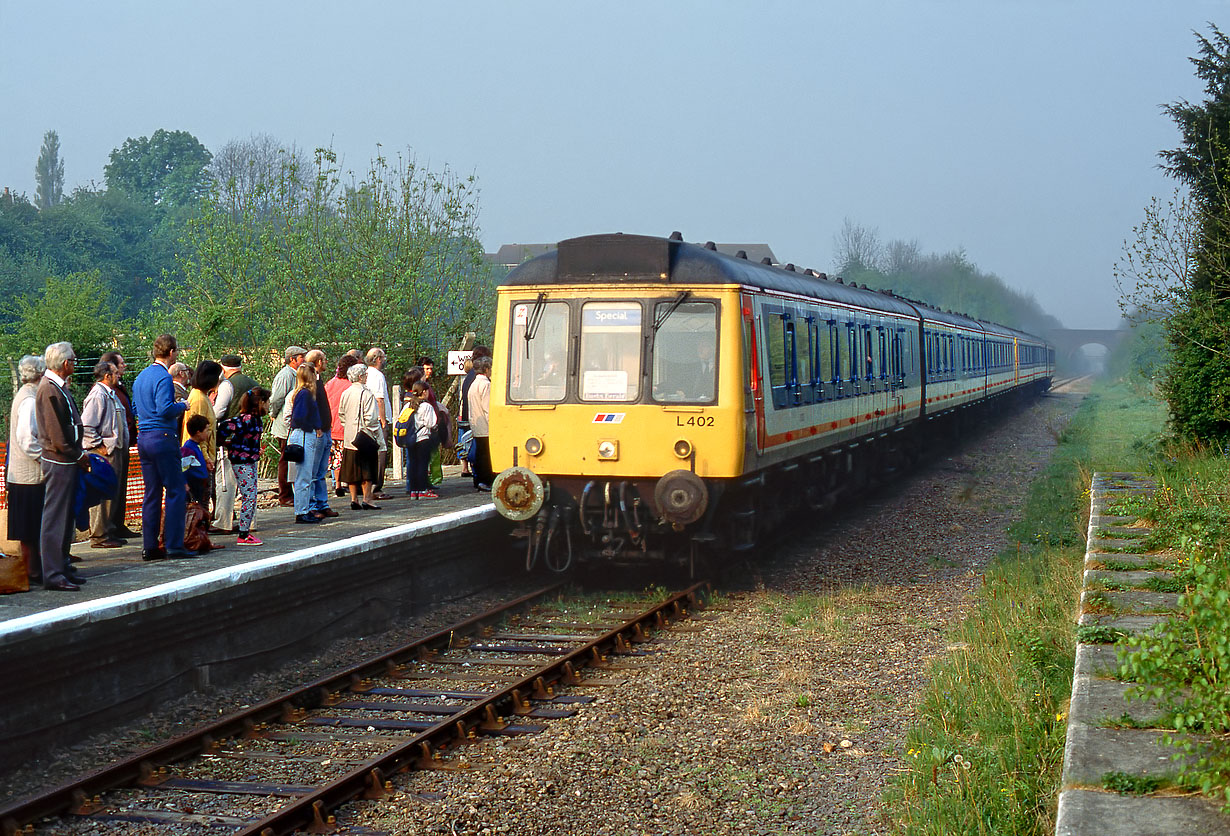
x=653, y=396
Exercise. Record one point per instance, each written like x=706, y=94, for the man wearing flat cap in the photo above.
x=283, y=384
x=235, y=384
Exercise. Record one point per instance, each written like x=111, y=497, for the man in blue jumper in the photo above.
x=158, y=414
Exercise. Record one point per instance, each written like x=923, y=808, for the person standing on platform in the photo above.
x=480, y=415
x=241, y=435
x=467, y=467
x=318, y=504
x=418, y=478
x=357, y=413
x=105, y=433
x=235, y=384
x=158, y=419
x=200, y=402
x=283, y=383
x=24, y=477
x=181, y=377
x=305, y=431
x=333, y=390
x=379, y=386
x=60, y=436
x=123, y=455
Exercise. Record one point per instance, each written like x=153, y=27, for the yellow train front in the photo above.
x=611, y=415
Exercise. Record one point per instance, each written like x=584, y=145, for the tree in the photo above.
x=245, y=172
x=49, y=172
x=390, y=258
x=857, y=248
x=76, y=308
x=166, y=169
x=1179, y=263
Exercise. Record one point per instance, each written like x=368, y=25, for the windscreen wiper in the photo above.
x=679, y=300
x=534, y=320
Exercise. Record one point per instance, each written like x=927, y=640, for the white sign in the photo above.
x=457, y=361
x=605, y=385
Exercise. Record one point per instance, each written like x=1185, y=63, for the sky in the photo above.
x=1024, y=133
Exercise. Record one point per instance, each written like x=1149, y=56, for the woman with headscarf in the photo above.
x=24, y=476
x=360, y=428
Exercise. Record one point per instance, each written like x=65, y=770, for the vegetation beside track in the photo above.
x=987, y=752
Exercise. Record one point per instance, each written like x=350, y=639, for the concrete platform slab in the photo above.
x=1126, y=623
x=1097, y=701
x=1091, y=752
x=1096, y=660
x=1133, y=601
x=1096, y=560
x=1129, y=578
x=1086, y=812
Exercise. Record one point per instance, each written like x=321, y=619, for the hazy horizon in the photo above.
x=1024, y=133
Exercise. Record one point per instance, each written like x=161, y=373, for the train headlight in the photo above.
x=518, y=493
x=608, y=450
x=681, y=497
x=683, y=448
x=533, y=445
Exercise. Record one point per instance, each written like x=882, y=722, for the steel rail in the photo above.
x=313, y=813
x=76, y=795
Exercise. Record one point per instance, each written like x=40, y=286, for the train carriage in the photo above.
x=652, y=395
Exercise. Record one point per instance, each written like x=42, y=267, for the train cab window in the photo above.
x=610, y=351
x=684, y=355
x=538, y=359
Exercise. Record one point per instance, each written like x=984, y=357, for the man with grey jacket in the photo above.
x=59, y=433
x=279, y=401
x=104, y=426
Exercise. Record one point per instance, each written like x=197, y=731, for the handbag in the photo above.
x=364, y=443
x=13, y=577
x=294, y=451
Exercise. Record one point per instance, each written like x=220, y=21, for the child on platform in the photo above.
x=241, y=436
x=196, y=474
x=424, y=442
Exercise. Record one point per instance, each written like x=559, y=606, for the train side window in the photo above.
x=538, y=367
x=814, y=392
x=792, y=363
x=868, y=355
x=610, y=351
x=852, y=352
x=835, y=359
x=684, y=353
x=775, y=341
x=882, y=342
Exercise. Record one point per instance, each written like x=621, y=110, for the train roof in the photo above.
x=616, y=257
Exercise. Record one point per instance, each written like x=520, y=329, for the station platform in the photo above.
x=121, y=571
x=139, y=633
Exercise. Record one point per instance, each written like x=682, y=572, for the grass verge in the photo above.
x=987, y=752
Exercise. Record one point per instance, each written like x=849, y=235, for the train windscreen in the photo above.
x=684, y=366
x=610, y=351
x=538, y=353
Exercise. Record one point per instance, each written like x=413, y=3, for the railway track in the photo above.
x=286, y=764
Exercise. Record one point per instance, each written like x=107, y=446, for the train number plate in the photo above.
x=694, y=421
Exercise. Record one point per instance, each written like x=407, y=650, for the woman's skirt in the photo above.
x=357, y=467
x=25, y=512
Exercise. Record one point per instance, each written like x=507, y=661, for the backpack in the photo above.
x=443, y=430
x=404, y=429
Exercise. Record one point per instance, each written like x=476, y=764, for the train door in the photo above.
x=752, y=350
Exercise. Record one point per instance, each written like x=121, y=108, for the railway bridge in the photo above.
x=1068, y=343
